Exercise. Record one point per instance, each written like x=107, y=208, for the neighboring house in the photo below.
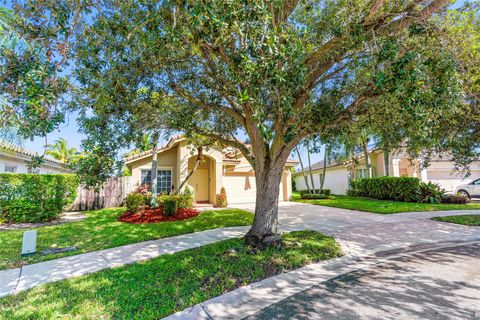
x=14, y=160
x=219, y=168
x=338, y=174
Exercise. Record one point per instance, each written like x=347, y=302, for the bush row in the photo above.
x=406, y=189
x=313, y=196
x=35, y=197
x=387, y=188
x=326, y=192
x=135, y=201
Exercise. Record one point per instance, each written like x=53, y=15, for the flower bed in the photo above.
x=148, y=215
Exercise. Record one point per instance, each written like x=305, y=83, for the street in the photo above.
x=439, y=284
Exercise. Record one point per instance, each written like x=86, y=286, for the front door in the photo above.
x=199, y=182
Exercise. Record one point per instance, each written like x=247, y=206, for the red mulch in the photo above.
x=148, y=215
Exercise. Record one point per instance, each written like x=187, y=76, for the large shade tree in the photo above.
x=275, y=71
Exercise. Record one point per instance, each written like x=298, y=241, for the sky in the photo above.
x=69, y=131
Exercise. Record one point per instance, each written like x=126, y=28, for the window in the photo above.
x=363, y=173
x=164, y=180
x=11, y=169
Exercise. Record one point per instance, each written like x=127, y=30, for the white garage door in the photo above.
x=242, y=188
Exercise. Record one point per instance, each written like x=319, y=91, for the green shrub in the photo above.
x=170, y=205
x=35, y=197
x=186, y=199
x=222, y=198
x=311, y=196
x=455, y=199
x=326, y=192
x=161, y=198
x=430, y=193
x=387, y=188
x=135, y=201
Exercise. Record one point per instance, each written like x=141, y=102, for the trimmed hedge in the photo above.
x=170, y=206
x=316, y=196
x=326, y=192
x=455, y=199
x=35, y=197
x=387, y=188
x=136, y=201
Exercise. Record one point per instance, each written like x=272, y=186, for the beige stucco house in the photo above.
x=338, y=174
x=227, y=168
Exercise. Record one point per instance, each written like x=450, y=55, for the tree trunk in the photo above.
x=263, y=232
x=153, y=177
x=325, y=158
x=197, y=163
x=353, y=168
x=303, y=169
x=310, y=168
x=386, y=160
x=367, y=160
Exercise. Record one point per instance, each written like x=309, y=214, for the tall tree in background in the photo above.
x=60, y=150
x=302, y=168
x=278, y=71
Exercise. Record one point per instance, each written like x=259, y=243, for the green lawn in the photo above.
x=467, y=220
x=101, y=230
x=383, y=206
x=169, y=283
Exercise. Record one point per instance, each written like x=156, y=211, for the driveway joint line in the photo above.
x=18, y=280
x=205, y=310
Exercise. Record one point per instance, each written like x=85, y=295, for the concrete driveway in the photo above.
x=436, y=284
x=366, y=233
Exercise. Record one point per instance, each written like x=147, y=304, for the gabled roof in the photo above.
x=229, y=154
x=170, y=144
x=17, y=152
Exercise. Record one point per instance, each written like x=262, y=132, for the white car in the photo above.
x=471, y=190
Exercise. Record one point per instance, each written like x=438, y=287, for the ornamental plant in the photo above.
x=222, y=198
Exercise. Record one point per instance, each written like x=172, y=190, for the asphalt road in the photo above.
x=438, y=284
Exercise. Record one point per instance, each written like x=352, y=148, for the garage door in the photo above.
x=242, y=188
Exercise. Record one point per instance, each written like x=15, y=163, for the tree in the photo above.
x=302, y=168
x=278, y=71
x=30, y=85
x=60, y=151
x=326, y=158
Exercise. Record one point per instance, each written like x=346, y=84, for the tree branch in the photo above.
x=184, y=94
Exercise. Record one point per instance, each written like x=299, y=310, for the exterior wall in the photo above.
x=167, y=160
x=20, y=165
x=336, y=179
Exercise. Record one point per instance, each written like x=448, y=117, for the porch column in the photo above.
x=218, y=180
x=423, y=175
x=396, y=167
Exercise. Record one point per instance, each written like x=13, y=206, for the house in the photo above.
x=220, y=168
x=339, y=173
x=14, y=160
